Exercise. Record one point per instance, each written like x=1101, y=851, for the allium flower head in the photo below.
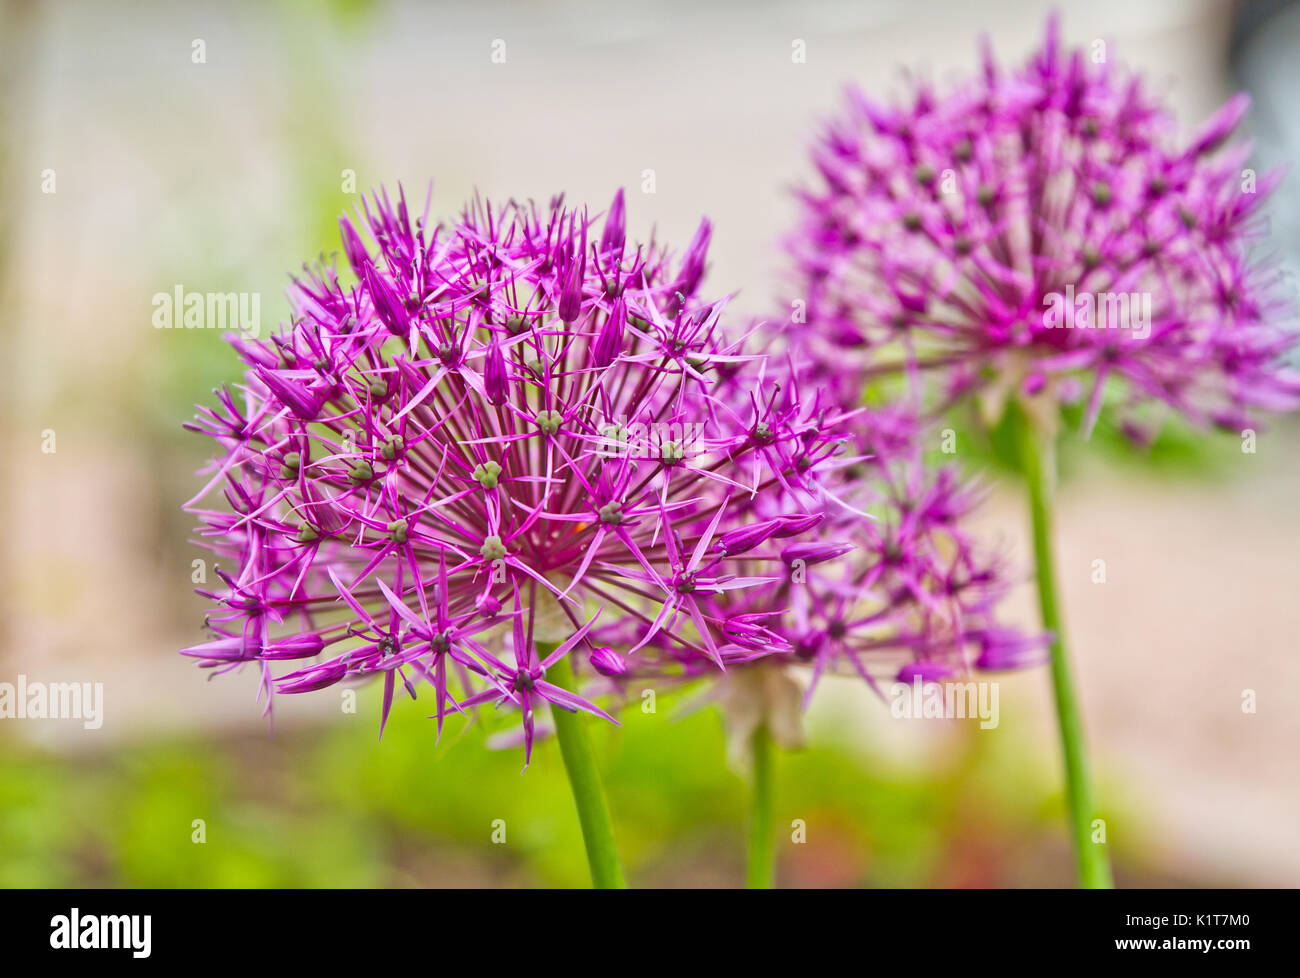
x=891, y=586
x=480, y=445
x=1043, y=232
x=897, y=589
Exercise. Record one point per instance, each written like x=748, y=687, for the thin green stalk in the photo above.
x=760, y=872
x=1038, y=463
x=584, y=779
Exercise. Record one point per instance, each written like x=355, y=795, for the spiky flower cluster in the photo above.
x=917, y=596
x=931, y=591
x=896, y=588
x=1041, y=232
x=478, y=446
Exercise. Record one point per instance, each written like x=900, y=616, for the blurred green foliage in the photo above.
x=336, y=807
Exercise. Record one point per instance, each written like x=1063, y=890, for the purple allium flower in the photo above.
x=891, y=584
x=490, y=443
x=903, y=588
x=1042, y=232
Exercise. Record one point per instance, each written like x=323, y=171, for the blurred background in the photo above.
x=131, y=166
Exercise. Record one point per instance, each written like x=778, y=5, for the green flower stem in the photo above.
x=584, y=779
x=1038, y=464
x=760, y=872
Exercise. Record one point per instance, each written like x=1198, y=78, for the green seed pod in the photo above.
x=487, y=473
x=549, y=421
x=289, y=465
x=392, y=448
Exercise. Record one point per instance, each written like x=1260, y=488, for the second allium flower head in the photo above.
x=503, y=435
x=1040, y=233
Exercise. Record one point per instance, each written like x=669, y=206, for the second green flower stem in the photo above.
x=760, y=871
x=1038, y=464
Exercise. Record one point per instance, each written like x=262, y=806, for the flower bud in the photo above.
x=1006, y=648
x=303, y=402
x=388, y=307
x=692, y=270
x=814, y=553
x=229, y=649
x=1220, y=125
x=358, y=258
x=496, y=380
x=615, y=222
x=792, y=524
x=295, y=647
x=327, y=674
x=607, y=662
x=609, y=344
x=570, y=304
x=744, y=538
